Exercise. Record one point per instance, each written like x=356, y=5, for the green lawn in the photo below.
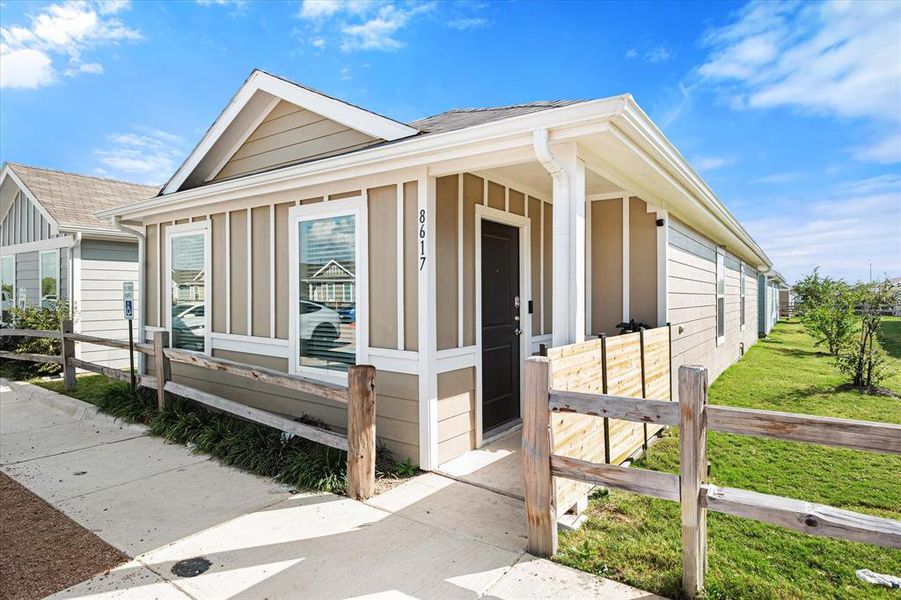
x=637, y=540
x=88, y=388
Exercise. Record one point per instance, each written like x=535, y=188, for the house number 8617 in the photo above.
x=421, y=239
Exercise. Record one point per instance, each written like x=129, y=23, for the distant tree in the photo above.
x=826, y=307
x=861, y=358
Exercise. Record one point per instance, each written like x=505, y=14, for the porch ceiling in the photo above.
x=533, y=176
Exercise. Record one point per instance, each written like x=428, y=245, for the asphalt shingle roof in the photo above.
x=461, y=118
x=73, y=199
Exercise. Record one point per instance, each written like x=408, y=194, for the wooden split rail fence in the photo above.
x=359, y=396
x=541, y=464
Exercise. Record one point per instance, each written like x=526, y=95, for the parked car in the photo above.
x=348, y=314
x=318, y=322
x=49, y=301
x=189, y=327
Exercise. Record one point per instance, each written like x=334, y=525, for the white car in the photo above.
x=189, y=327
x=318, y=322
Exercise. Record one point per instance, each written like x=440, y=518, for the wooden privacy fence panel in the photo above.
x=544, y=468
x=635, y=365
x=359, y=397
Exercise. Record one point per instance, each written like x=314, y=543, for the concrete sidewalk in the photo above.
x=431, y=537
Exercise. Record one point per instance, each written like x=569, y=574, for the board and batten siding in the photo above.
x=23, y=223
x=105, y=266
x=289, y=135
x=692, y=303
x=250, y=297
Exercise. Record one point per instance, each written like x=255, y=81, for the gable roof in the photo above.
x=256, y=98
x=71, y=199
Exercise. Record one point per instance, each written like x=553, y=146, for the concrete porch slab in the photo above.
x=496, y=466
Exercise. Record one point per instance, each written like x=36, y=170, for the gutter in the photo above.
x=142, y=280
x=547, y=160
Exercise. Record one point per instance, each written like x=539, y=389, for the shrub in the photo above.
x=862, y=359
x=826, y=307
x=40, y=319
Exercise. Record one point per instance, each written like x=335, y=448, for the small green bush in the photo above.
x=40, y=319
x=252, y=447
x=862, y=359
x=826, y=307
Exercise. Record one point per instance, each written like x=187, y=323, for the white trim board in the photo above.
x=522, y=223
x=181, y=230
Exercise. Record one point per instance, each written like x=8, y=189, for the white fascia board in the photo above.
x=96, y=233
x=418, y=151
x=11, y=174
x=638, y=126
x=351, y=116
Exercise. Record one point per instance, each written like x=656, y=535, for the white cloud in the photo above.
x=25, y=69
x=658, y=54
x=841, y=233
x=236, y=3
x=66, y=31
x=780, y=178
x=885, y=151
x=468, y=23
x=708, y=163
x=144, y=155
x=345, y=74
x=360, y=24
x=631, y=53
x=833, y=58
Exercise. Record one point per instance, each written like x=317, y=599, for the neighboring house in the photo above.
x=53, y=248
x=771, y=285
x=442, y=251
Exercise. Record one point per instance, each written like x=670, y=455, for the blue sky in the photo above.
x=792, y=112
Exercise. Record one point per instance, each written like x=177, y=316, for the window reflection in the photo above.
x=328, y=302
x=188, y=290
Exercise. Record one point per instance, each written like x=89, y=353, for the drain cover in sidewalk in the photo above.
x=191, y=567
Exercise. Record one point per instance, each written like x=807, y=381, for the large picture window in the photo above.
x=7, y=287
x=328, y=278
x=49, y=279
x=720, y=296
x=188, y=261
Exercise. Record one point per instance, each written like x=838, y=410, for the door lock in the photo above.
x=516, y=302
x=517, y=331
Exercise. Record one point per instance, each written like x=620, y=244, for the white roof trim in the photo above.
x=7, y=171
x=351, y=116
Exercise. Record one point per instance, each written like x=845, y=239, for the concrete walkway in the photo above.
x=431, y=537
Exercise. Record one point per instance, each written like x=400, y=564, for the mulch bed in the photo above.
x=42, y=551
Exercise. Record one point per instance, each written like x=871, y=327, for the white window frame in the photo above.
x=742, y=296
x=12, y=258
x=356, y=207
x=182, y=230
x=41, y=275
x=720, y=278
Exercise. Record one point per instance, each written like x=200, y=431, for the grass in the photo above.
x=637, y=540
x=261, y=450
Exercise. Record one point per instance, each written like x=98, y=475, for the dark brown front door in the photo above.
x=500, y=324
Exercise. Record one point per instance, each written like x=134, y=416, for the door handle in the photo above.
x=517, y=331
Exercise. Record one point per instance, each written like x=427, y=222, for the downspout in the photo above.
x=141, y=283
x=561, y=235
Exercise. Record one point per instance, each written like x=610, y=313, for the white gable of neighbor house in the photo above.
x=22, y=220
x=271, y=123
x=289, y=135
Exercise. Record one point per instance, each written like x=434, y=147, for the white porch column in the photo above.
x=428, y=360
x=569, y=249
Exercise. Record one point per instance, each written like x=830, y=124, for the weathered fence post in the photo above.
x=536, y=460
x=693, y=461
x=67, y=352
x=162, y=366
x=361, y=432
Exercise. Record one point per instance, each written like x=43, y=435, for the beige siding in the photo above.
x=262, y=286
x=151, y=260
x=496, y=196
x=218, y=301
x=411, y=266
x=518, y=203
x=282, y=258
x=382, y=205
x=238, y=271
x=446, y=260
x=291, y=135
x=397, y=414
x=606, y=266
x=692, y=304
x=535, y=214
x=642, y=263
x=456, y=417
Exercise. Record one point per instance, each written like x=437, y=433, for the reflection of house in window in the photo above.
x=189, y=285
x=333, y=284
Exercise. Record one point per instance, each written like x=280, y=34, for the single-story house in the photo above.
x=442, y=251
x=54, y=249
